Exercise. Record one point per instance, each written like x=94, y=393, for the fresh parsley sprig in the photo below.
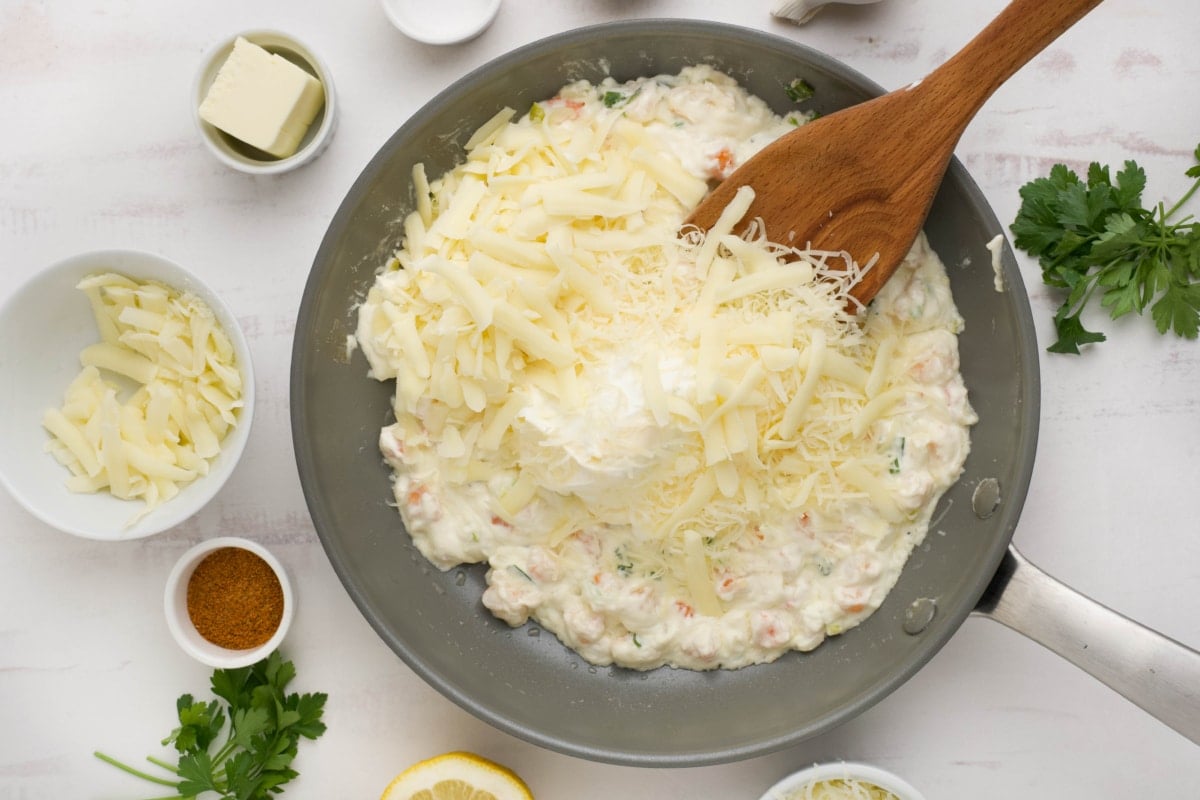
x=1096, y=236
x=265, y=726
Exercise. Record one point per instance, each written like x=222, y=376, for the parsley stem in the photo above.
x=132, y=771
x=1187, y=196
x=225, y=752
x=158, y=762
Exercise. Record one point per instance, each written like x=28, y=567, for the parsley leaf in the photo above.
x=1179, y=310
x=199, y=724
x=265, y=725
x=1094, y=236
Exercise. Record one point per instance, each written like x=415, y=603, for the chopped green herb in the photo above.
x=895, y=465
x=624, y=566
x=265, y=725
x=799, y=90
x=636, y=643
x=521, y=572
x=536, y=113
x=1096, y=236
x=612, y=98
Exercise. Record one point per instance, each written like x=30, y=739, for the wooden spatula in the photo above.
x=862, y=179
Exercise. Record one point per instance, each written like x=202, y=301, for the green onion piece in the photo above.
x=799, y=90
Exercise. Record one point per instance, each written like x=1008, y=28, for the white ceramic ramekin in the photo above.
x=180, y=623
x=441, y=23
x=240, y=156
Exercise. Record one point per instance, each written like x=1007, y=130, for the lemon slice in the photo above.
x=457, y=776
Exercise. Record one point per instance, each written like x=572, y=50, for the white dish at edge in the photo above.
x=843, y=770
x=447, y=22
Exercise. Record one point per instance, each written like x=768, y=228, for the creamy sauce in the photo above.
x=572, y=519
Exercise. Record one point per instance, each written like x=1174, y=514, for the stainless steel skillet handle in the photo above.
x=1157, y=673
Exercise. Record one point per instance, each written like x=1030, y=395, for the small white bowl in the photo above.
x=44, y=325
x=180, y=623
x=241, y=156
x=441, y=23
x=843, y=770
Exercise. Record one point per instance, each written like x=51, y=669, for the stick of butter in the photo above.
x=262, y=99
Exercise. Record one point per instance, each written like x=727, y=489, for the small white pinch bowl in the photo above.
x=802, y=11
x=843, y=770
x=448, y=22
x=180, y=624
x=44, y=325
x=241, y=156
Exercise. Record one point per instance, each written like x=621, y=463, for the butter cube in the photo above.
x=262, y=99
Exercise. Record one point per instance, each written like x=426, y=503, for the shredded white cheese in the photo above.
x=156, y=396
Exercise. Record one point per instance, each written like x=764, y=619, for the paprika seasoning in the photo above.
x=235, y=599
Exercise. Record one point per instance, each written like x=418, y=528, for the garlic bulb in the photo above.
x=801, y=11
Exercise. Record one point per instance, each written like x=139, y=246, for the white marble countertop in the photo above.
x=97, y=150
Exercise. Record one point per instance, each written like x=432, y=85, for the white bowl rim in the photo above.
x=309, y=152
x=170, y=513
x=834, y=770
x=180, y=624
x=470, y=28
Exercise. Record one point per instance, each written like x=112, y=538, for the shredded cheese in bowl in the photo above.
x=155, y=398
x=669, y=450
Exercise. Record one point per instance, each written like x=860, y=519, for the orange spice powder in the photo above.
x=234, y=599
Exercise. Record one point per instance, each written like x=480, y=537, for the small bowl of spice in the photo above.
x=228, y=602
x=842, y=780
